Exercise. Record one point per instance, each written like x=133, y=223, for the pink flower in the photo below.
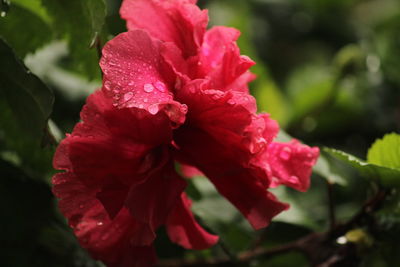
x=172, y=92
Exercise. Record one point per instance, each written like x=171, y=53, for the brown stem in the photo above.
x=331, y=206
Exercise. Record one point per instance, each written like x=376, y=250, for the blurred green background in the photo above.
x=328, y=71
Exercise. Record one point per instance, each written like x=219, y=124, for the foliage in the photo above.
x=327, y=71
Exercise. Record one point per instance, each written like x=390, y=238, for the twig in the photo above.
x=331, y=206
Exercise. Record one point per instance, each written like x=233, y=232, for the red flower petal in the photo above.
x=152, y=201
x=180, y=21
x=228, y=137
x=184, y=230
x=291, y=163
x=220, y=60
x=113, y=161
x=106, y=239
x=100, y=150
x=135, y=75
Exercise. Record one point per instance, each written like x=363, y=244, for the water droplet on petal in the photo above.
x=192, y=89
x=178, y=83
x=153, y=109
x=148, y=88
x=128, y=96
x=107, y=85
x=293, y=179
x=99, y=223
x=285, y=153
x=145, y=100
x=131, y=83
x=215, y=97
x=183, y=108
x=141, y=106
x=231, y=102
x=160, y=86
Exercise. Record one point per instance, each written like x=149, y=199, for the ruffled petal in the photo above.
x=109, y=158
x=217, y=41
x=220, y=61
x=229, y=136
x=291, y=163
x=152, y=201
x=180, y=21
x=239, y=184
x=183, y=229
x=99, y=147
x=109, y=240
x=135, y=75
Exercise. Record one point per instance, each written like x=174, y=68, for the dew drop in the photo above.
x=153, y=109
x=128, y=96
x=145, y=100
x=192, y=89
x=148, y=88
x=231, y=102
x=99, y=223
x=215, y=97
x=160, y=86
x=178, y=83
x=183, y=108
x=131, y=83
x=107, y=85
x=293, y=179
x=285, y=153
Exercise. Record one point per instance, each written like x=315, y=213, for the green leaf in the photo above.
x=25, y=106
x=36, y=32
x=96, y=10
x=386, y=176
x=386, y=151
x=79, y=22
x=35, y=6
